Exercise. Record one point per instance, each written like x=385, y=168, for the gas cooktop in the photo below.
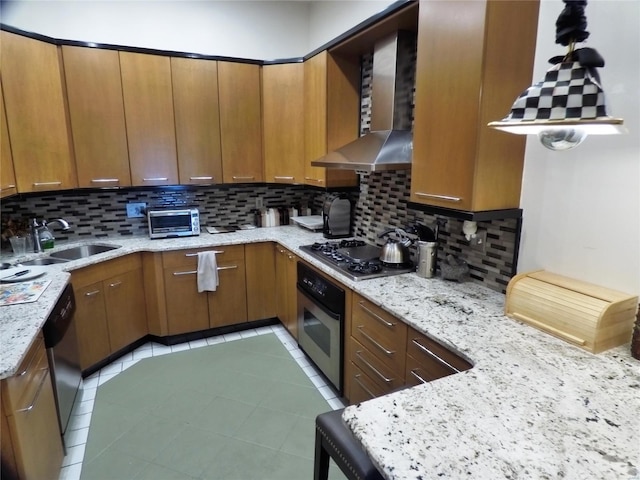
x=356, y=259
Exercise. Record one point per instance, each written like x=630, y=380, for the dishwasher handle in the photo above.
x=60, y=318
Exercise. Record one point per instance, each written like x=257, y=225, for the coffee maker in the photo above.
x=336, y=217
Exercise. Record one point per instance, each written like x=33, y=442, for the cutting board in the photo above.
x=24, y=292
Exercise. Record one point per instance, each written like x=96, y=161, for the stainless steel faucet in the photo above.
x=35, y=228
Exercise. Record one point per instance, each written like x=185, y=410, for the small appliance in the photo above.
x=336, y=217
x=168, y=223
x=355, y=259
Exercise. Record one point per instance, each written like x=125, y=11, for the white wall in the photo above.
x=582, y=207
x=330, y=18
x=263, y=30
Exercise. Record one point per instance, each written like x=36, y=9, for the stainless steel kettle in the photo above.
x=396, y=251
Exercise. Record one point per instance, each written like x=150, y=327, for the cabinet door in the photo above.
x=126, y=310
x=458, y=162
x=261, y=281
x=195, y=100
x=331, y=114
x=94, y=90
x=33, y=432
x=286, y=294
x=91, y=325
x=7, y=174
x=36, y=116
x=283, y=122
x=187, y=310
x=228, y=304
x=240, y=122
x=148, y=107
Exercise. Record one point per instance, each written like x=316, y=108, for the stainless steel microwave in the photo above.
x=174, y=223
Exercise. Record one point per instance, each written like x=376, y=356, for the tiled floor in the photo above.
x=264, y=415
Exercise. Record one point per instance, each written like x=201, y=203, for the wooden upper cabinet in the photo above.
x=473, y=61
x=195, y=101
x=240, y=122
x=36, y=116
x=7, y=174
x=331, y=114
x=96, y=109
x=148, y=107
x=283, y=122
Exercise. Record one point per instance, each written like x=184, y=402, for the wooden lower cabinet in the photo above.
x=260, y=269
x=111, y=310
x=286, y=293
x=126, y=313
x=228, y=304
x=31, y=442
x=189, y=311
x=427, y=360
x=91, y=324
x=383, y=354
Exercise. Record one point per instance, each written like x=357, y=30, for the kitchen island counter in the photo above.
x=532, y=406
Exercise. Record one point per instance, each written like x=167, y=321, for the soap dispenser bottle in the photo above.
x=46, y=238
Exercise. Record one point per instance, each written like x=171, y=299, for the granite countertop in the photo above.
x=532, y=406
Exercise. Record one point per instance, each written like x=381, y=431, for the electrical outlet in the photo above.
x=479, y=241
x=136, y=210
x=259, y=202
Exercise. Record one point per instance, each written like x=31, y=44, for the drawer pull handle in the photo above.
x=363, y=386
x=413, y=372
x=115, y=284
x=105, y=180
x=201, y=178
x=155, y=179
x=373, y=369
x=195, y=254
x=37, y=395
x=45, y=184
x=276, y=177
x=553, y=331
x=446, y=198
x=368, y=337
x=317, y=180
x=239, y=177
x=91, y=294
x=376, y=316
x=28, y=367
x=193, y=272
x=434, y=356
x=7, y=187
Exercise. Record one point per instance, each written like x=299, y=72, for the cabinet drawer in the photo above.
x=361, y=387
x=17, y=389
x=428, y=360
x=379, y=372
x=96, y=273
x=189, y=257
x=382, y=334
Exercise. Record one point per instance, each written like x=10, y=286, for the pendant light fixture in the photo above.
x=569, y=103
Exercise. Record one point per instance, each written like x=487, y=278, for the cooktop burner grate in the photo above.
x=354, y=258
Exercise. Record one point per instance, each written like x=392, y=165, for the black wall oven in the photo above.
x=321, y=310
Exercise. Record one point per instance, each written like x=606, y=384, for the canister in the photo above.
x=426, y=259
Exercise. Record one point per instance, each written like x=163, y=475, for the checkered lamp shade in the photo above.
x=569, y=95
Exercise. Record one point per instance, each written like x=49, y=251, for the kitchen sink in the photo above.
x=83, y=251
x=44, y=261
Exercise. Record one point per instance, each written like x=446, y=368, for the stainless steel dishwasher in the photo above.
x=64, y=361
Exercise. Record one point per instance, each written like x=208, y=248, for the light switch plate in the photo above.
x=136, y=210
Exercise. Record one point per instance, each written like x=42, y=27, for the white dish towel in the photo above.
x=207, y=272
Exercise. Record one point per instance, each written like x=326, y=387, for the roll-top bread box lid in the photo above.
x=589, y=316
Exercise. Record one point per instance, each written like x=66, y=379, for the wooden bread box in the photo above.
x=589, y=316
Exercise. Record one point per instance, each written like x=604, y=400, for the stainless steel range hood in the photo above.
x=389, y=145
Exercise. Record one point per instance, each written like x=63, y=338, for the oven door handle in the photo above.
x=334, y=315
